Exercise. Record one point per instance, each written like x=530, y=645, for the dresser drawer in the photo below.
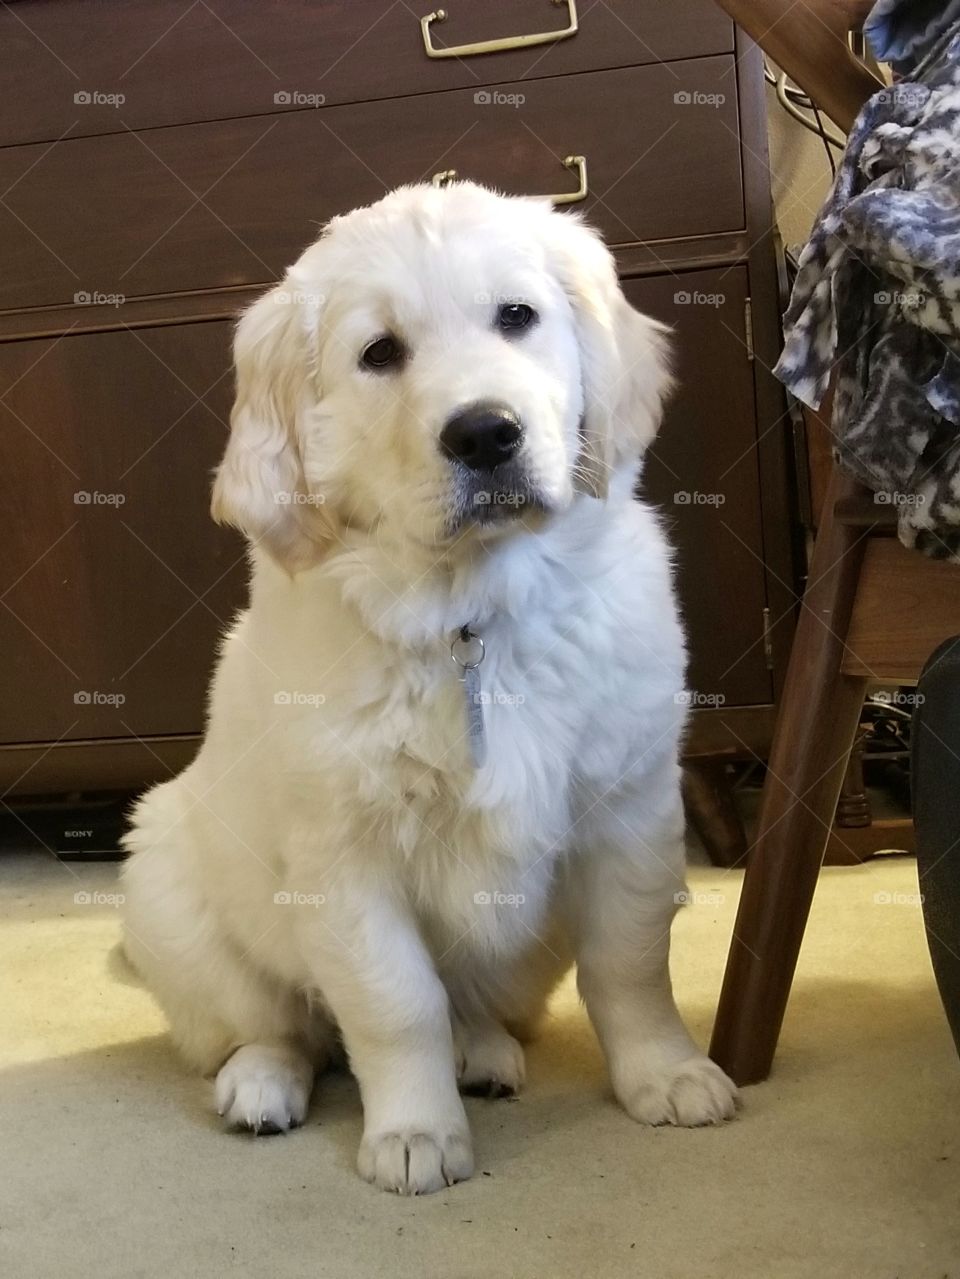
x=176, y=63
x=234, y=202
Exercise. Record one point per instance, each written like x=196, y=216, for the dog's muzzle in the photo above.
x=484, y=442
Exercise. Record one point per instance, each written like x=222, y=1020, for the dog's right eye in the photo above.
x=515, y=315
x=381, y=353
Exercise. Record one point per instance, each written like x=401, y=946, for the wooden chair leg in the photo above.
x=818, y=718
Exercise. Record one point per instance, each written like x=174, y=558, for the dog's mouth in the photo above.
x=499, y=496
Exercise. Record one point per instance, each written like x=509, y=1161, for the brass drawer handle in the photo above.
x=497, y=46
x=578, y=162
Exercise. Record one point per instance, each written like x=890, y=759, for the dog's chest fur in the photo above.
x=375, y=758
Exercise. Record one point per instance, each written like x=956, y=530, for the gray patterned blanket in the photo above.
x=877, y=296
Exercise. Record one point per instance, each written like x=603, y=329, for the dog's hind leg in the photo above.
x=226, y=1016
x=497, y=1007
x=490, y=1062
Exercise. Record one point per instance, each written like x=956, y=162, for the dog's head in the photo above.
x=445, y=363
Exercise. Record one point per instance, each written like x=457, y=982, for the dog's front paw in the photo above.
x=415, y=1163
x=688, y=1093
x=264, y=1087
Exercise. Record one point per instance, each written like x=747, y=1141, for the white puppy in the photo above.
x=439, y=418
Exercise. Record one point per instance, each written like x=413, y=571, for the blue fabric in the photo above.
x=877, y=299
x=903, y=32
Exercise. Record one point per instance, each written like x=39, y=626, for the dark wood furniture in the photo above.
x=856, y=835
x=165, y=163
x=872, y=612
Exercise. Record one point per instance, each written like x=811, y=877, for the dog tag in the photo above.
x=467, y=651
x=476, y=732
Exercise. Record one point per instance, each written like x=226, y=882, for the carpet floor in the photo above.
x=844, y=1165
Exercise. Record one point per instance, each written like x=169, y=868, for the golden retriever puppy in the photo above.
x=440, y=764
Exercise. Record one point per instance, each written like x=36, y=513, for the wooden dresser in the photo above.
x=165, y=160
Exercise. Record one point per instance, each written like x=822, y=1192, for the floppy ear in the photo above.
x=260, y=486
x=624, y=358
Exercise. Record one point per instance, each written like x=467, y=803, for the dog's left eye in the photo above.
x=515, y=315
x=381, y=353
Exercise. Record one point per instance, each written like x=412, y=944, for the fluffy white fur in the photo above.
x=332, y=865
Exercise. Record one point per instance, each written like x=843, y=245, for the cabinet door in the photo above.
x=702, y=473
x=116, y=583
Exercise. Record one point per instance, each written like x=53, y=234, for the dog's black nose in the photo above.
x=482, y=435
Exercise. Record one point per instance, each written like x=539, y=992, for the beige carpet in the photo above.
x=846, y=1163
